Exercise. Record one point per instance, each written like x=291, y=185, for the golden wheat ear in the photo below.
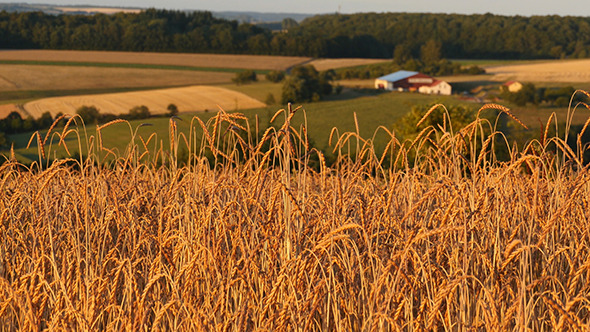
x=12, y=156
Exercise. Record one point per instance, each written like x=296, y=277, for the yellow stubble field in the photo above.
x=5, y=110
x=558, y=71
x=192, y=98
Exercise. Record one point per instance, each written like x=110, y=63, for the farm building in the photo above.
x=513, y=86
x=436, y=88
x=404, y=80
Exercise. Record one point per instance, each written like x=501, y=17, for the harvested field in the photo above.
x=29, y=77
x=558, y=71
x=325, y=64
x=178, y=59
x=193, y=98
x=5, y=110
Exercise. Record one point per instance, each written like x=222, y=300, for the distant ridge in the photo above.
x=65, y=9
x=242, y=17
x=255, y=17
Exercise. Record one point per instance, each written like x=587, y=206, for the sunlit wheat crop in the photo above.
x=253, y=230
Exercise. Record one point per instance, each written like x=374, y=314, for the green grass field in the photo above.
x=372, y=111
x=258, y=90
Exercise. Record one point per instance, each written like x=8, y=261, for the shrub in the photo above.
x=245, y=77
x=172, y=110
x=306, y=84
x=475, y=70
x=461, y=115
x=270, y=99
x=528, y=94
x=3, y=140
x=139, y=112
x=45, y=121
x=275, y=76
x=562, y=101
x=89, y=114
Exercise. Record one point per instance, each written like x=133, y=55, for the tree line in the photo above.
x=462, y=36
x=14, y=123
x=367, y=35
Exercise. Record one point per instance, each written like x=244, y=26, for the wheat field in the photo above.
x=253, y=230
x=191, y=98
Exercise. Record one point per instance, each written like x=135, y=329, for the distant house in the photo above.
x=513, y=86
x=436, y=88
x=404, y=80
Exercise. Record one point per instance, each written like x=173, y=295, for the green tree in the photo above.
x=461, y=116
x=3, y=140
x=295, y=90
x=139, y=112
x=527, y=94
x=306, y=84
x=270, y=99
x=245, y=77
x=45, y=121
x=430, y=52
x=16, y=124
x=89, y=114
x=172, y=110
x=289, y=23
x=275, y=76
x=401, y=54
x=325, y=81
x=28, y=124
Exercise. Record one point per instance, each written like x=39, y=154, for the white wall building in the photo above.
x=437, y=88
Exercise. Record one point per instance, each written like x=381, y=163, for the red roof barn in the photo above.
x=404, y=80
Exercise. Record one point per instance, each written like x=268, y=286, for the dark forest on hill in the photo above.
x=368, y=35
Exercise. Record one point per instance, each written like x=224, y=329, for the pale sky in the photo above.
x=502, y=7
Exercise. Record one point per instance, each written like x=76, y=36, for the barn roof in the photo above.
x=509, y=83
x=398, y=75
